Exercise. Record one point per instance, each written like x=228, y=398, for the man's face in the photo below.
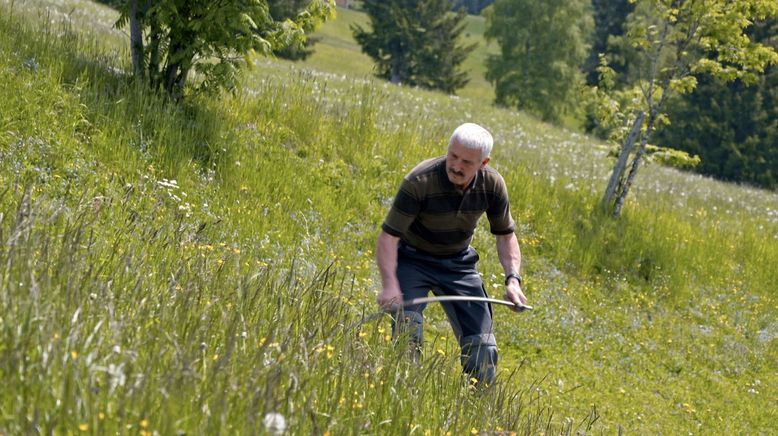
x=462, y=163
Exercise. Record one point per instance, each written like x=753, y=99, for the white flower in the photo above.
x=168, y=183
x=274, y=423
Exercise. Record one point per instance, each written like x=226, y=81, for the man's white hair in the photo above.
x=473, y=137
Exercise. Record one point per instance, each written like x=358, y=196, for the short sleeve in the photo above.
x=405, y=208
x=499, y=211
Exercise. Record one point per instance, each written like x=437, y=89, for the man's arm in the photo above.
x=386, y=258
x=510, y=258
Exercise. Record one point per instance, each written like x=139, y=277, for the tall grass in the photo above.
x=195, y=267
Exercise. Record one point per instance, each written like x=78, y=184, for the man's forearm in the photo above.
x=386, y=258
x=509, y=253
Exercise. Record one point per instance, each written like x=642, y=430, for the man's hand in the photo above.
x=390, y=298
x=514, y=294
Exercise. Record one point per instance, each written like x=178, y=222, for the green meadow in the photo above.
x=196, y=268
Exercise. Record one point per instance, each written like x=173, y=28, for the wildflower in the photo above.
x=74, y=355
x=83, y=427
x=328, y=348
x=274, y=423
x=144, y=423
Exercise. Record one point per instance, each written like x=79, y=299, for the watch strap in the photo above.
x=516, y=276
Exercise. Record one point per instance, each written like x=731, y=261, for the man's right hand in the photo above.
x=390, y=298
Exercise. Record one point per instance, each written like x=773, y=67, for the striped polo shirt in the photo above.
x=430, y=214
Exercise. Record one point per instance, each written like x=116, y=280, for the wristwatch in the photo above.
x=510, y=276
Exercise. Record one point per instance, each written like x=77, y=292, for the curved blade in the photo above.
x=462, y=298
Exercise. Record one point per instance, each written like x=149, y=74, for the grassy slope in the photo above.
x=337, y=52
x=260, y=252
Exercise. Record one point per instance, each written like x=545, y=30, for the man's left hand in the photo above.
x=514, y=294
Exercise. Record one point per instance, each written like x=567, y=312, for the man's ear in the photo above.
x=485, y=162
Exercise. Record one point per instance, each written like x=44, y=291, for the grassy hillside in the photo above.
x=338, y=53
x=192, y=268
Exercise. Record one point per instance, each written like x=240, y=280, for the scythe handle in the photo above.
x=462, y=298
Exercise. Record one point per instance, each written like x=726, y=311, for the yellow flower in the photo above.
x=83, y=427
x=144, y=423
x=74, y=355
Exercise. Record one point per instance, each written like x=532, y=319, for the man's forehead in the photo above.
x=464, y=152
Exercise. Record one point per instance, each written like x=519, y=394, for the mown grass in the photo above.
x=192, y=268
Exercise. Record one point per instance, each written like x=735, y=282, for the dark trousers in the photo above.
x=419, y=273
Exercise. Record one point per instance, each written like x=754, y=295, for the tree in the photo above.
x=673, y=41
x=542, y=47
x=282, y=10
x=609, y=19
x=733, y=127
x=472, y=6
x=414, y=42
x=170, y=38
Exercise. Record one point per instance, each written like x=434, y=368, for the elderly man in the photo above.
x=425, y=245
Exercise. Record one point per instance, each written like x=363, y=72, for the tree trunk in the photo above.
x=155, y=38
x=635, y=165
x=172, y=70
x=178, y=91
x=396, y=67
x=621, y=163
x=171, y=77
x=136, y=40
